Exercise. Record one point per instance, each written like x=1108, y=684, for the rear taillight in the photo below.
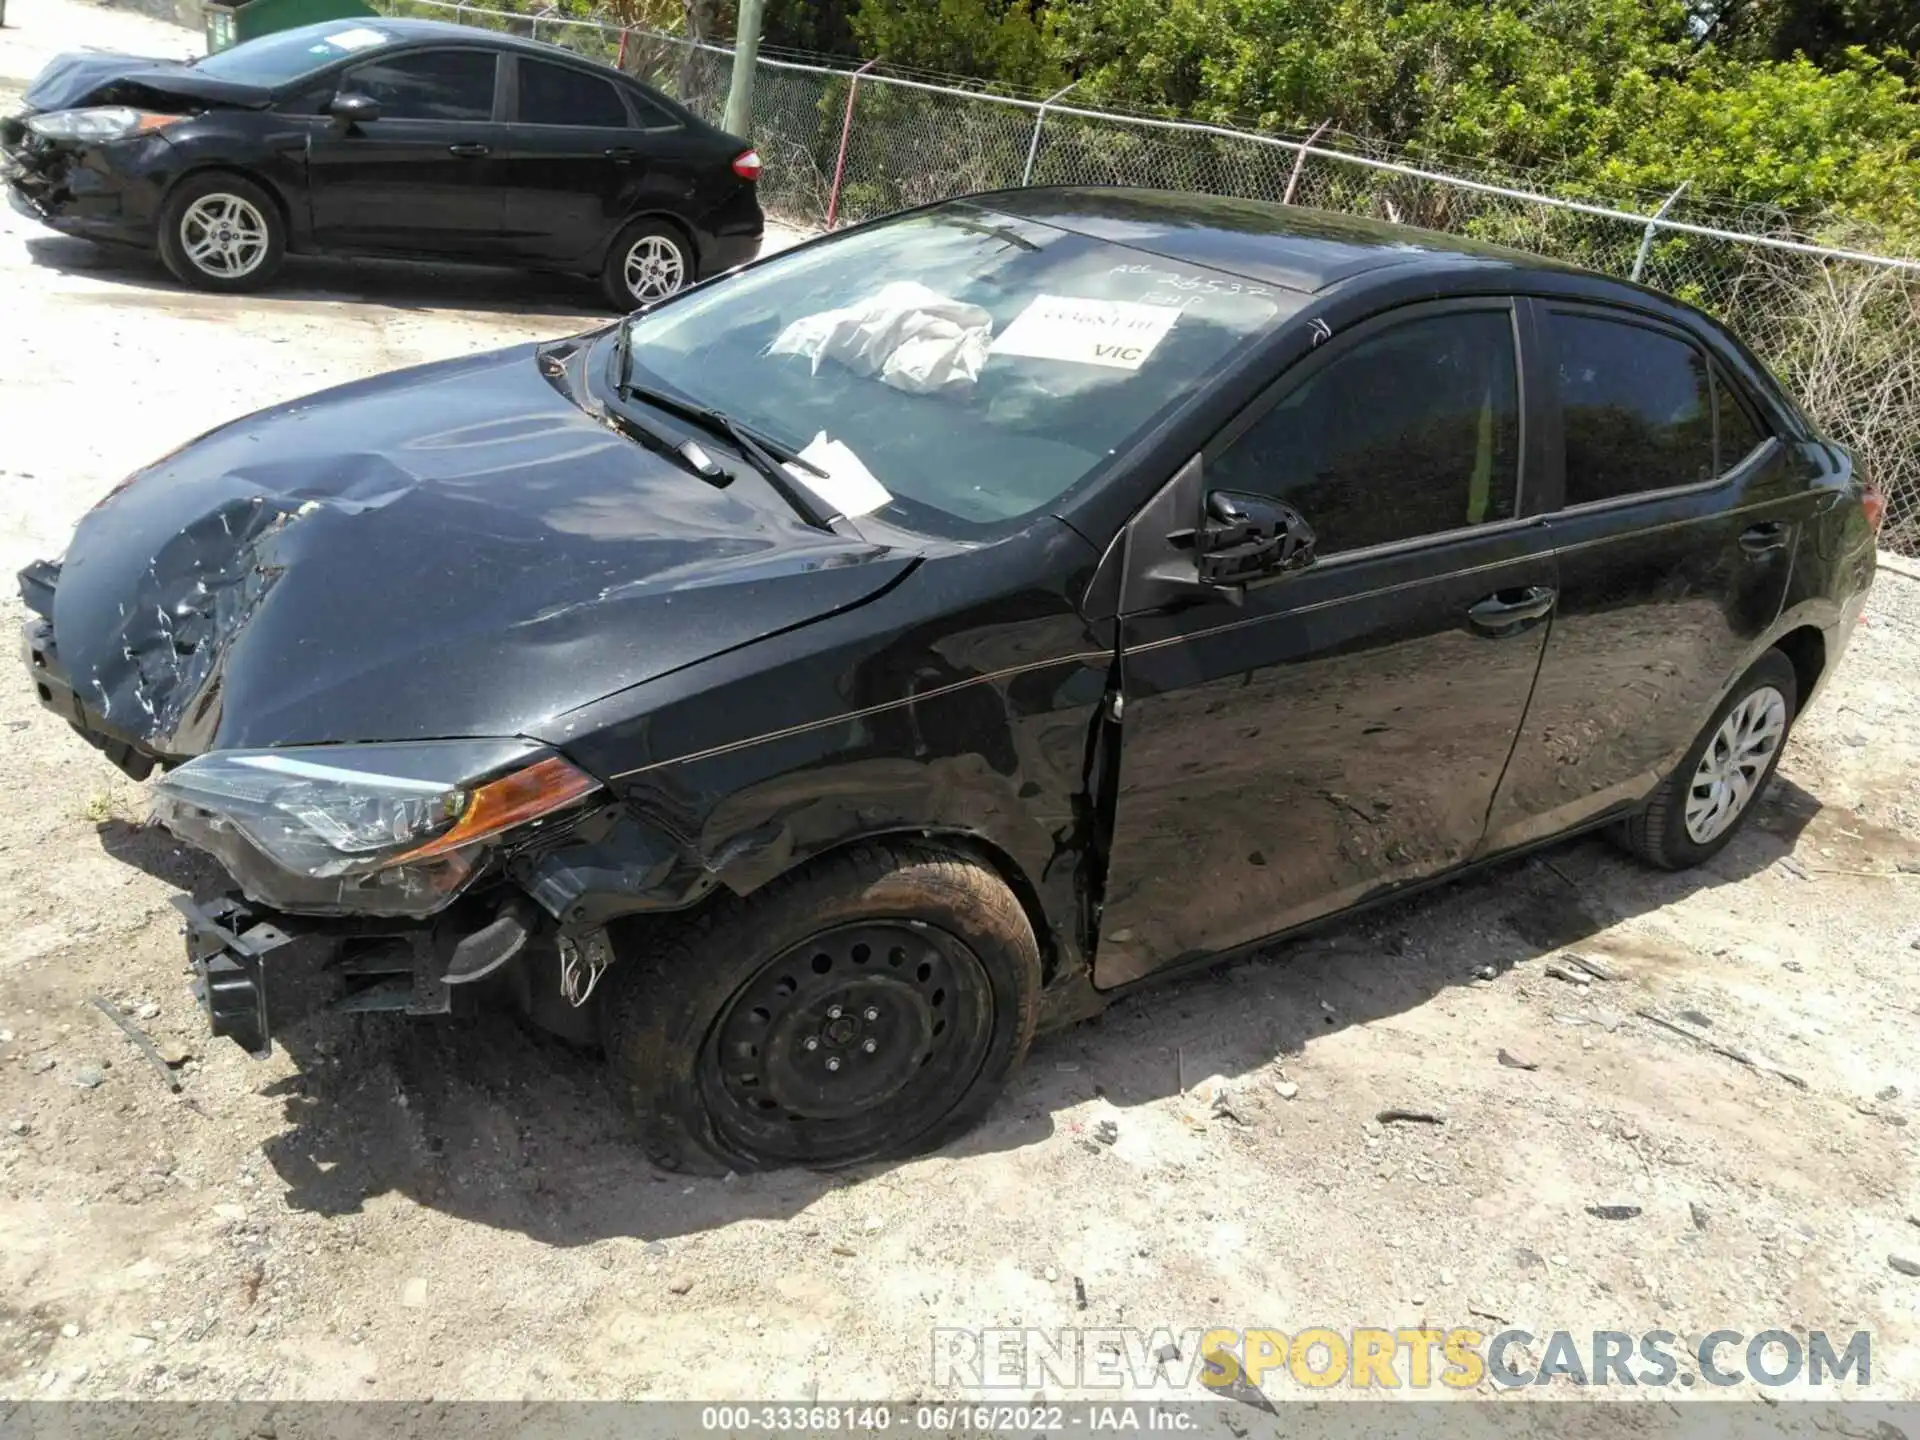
x=1873, y=505
x=747, y=165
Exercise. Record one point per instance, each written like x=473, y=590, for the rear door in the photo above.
x=581, y=151
x=1342, y=729
x=424, y=177
x=1677, y=512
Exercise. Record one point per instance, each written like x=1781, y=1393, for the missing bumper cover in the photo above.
x=228, y=950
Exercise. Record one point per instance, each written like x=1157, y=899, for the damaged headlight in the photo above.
x=393, y=829
x=100, y=122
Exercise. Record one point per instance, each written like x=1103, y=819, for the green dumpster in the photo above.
x=229, y=25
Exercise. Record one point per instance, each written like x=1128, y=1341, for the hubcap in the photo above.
x=655, y=269
x=857, y=1039
x=1729, y=773
x=224, y=235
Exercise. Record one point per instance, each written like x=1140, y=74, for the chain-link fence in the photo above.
x=1841, y=327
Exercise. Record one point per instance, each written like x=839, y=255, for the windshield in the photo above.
x=957, y=370
x=273, y=60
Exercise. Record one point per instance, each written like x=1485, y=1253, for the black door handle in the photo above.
x=1768, y=535
x=622, y=153
x=1505, y=611
x=469, y=151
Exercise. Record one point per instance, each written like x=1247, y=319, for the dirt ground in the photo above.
x=397, y=1210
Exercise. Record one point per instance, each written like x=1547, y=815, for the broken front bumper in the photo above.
x=228, y=951
x=50, y=684
x=232, y=945
x=100, y=192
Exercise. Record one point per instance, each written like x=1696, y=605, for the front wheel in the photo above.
x=1710, y=794
x=220, y=231
x=871, y=1006
x=648, y=262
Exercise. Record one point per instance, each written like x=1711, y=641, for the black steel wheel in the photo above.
x=871, y=1005
x=855, y=1031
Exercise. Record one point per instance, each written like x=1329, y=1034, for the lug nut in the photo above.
x=833, y=1062
x=872, y=1013
x=813, y=1043
x=833, y=1012
x=871, y=1046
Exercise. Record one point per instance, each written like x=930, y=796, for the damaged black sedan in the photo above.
x=811, y=685
x=403, y=138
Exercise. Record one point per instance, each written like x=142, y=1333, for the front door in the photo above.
x=421, y=179
x=1343, y=729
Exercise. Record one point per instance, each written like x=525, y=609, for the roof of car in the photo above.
x=1285, y=245
x=412, y=30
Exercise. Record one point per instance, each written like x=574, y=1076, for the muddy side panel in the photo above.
x=924, y=712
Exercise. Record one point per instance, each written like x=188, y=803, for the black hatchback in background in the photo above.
x=401, y=138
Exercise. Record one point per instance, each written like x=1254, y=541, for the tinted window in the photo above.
x=1738, y=432
x=1414, y=432
x=439, y=85
x=652, y=108
x=557, y=95
x=1635, y=409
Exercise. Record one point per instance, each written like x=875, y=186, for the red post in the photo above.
x=846, y=130
x=620, y=61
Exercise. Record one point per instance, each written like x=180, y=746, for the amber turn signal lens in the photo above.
x=540, y=789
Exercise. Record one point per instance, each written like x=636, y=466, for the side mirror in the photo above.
x=354, y=108
x=1245, y=537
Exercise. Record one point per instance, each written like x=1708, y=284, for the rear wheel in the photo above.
x=220, y=231
x=871, y=1006
x=1704, y=802
x=650, y=261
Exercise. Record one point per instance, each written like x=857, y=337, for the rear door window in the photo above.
x=1740, y=433
x=430, y=85
x=1413, y=432
x=561, y=95
x=1635, y=408
x=654, y=111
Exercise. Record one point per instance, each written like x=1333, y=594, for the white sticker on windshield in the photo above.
x=848, y=486
x=358, y=38
x=1116, y=333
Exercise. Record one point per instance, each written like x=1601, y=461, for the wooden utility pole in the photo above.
x=746, y=58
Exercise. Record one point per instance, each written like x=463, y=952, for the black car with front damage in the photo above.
x=812, y=684
x=404, y=138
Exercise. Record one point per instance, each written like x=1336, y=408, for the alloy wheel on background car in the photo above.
x=655, y=268
x=224, y=235
x=1728, y=775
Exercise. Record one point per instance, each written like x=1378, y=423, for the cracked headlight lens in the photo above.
x=364, y=829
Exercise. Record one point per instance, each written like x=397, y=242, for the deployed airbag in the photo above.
x=909, y=336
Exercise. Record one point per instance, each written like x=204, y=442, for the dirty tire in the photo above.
x=231, y=266
x=1658, y=834
x=893, y=940
x=658, y=241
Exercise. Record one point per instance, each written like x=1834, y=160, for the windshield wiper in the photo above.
x=767, y=456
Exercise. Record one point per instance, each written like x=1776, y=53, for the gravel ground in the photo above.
x=398, y=1211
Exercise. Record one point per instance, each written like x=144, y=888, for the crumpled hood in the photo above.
x=91, y=78
x=454, y=550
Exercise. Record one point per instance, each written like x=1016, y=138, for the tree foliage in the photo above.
x=1810, y=106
